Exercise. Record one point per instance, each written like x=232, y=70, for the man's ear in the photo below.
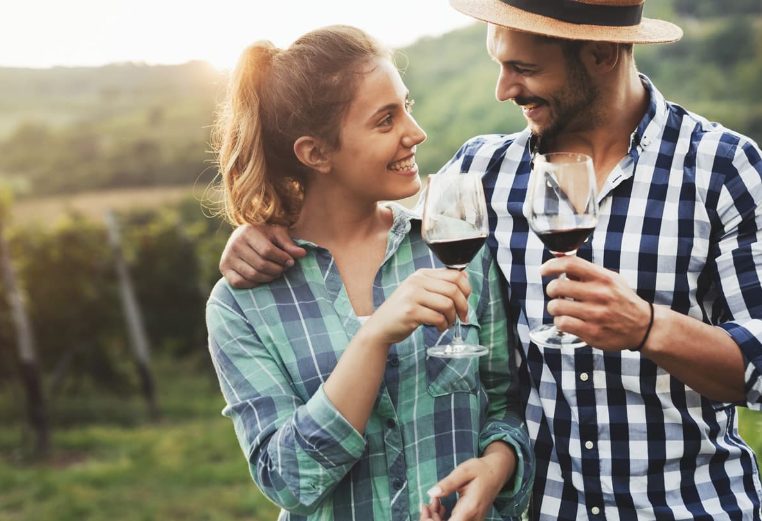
x=312, y=153
x=600, y=56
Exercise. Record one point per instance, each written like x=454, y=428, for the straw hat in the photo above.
x=598, y=20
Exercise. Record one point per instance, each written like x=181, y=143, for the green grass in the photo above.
x=122, y=467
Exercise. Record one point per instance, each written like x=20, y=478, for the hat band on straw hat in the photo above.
x=578, y=12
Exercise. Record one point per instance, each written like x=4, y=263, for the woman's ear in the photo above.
x=311, y=152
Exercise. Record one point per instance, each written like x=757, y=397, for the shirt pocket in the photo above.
x=454, y=375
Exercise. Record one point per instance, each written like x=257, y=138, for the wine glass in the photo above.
x=563, y=211
x=455, y=227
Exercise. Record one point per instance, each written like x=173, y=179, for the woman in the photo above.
x=336, y=407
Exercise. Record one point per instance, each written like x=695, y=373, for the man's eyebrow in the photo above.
x=518, y=63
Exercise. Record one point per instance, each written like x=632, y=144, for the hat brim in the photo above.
x=499, y=13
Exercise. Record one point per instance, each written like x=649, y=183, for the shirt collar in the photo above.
x=652, y=124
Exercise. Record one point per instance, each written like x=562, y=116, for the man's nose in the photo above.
x=508, y=86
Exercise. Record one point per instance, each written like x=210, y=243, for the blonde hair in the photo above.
x=274, y=97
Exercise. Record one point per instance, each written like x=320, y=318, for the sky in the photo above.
x=46, y=33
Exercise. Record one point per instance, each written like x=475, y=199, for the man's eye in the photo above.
x=386, y=121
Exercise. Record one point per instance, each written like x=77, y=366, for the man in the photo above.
x=668, y=290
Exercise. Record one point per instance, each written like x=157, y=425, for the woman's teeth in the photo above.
x=401, y=166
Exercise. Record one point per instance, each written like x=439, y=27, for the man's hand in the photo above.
x=605, y=312
x=477, y=482
x=256, y=255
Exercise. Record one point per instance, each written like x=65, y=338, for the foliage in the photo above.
x=69, y=277
x=717, y=8
x=114, y=126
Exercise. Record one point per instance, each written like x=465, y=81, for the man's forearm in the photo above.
x=701, y=356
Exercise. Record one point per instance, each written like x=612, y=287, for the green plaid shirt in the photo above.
x=274, y=346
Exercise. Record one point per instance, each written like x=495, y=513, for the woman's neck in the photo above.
x=332, y=219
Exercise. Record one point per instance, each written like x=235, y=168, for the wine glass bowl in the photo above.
x=562, y=209
x=455, y=226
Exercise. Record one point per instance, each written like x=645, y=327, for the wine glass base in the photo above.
x=457, y=351
x=549, y=336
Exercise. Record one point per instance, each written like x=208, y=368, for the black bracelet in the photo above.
x=648, y=331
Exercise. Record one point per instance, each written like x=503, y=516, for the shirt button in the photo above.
x=595, y=511
x=394, y=361
x=584, y=377
x=589, y=445
x=391, y=423
x=397, y=483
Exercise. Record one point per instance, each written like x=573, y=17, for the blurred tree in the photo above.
x=733, y=43
x=68, y=272
x=133, y=318
x=717, y=8
x=27, y=353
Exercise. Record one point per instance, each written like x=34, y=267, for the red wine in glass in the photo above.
x=455, y=227
x=457, y=253
x=562, y=202
x=565, y=241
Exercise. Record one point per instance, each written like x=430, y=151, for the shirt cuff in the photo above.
x=514, y=498
x=325, y=435
x=747, y=336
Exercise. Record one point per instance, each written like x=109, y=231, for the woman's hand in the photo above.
x=429, y=296
x=477, y=482
x=434, y=511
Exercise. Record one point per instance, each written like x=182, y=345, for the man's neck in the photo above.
x=624, y=101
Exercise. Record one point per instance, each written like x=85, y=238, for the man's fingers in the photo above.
x=573, y=267
x=262, y=247
x=236, y=280
x=283, y=240
x=577, y=290
x=257, y=268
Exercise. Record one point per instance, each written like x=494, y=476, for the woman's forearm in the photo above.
x=354, y=383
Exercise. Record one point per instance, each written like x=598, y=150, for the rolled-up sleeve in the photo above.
x=297, y=450
x=504, y=417
x=739, y=258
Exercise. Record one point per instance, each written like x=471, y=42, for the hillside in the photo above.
x=128, y=125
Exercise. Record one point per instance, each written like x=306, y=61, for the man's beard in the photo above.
x=572, y=107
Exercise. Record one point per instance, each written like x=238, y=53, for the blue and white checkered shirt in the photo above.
x=615, y=436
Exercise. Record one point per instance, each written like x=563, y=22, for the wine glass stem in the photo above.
x=457, y=338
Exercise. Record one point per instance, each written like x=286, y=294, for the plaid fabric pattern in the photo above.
x=274, y=346
x=615, y=436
